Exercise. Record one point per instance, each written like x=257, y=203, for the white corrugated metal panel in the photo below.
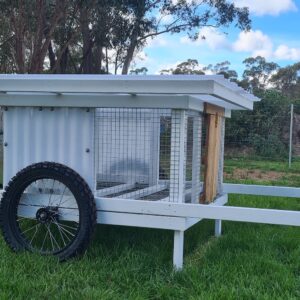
x=62, y=135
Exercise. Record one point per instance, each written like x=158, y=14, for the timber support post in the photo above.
x=214, y=116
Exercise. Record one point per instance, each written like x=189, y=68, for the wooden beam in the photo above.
x=214, y=115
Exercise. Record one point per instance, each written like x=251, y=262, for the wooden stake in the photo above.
x=213, y=146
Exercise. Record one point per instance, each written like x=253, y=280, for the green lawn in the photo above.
x=250, y=261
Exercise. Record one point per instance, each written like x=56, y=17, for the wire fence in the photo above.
x=270, y=133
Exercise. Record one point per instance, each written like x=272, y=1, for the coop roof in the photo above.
x=167, y=91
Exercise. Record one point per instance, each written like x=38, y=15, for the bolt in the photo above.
x=87, y=150
x=5, y=144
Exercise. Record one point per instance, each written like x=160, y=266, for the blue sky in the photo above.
x=275, y=35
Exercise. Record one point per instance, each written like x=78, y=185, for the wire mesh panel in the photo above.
x=148, y=154
x=221, y=159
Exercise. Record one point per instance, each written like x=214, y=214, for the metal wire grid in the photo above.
x=221, y=159
x=146, y=154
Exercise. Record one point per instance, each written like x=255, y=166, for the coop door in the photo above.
x=127, y=146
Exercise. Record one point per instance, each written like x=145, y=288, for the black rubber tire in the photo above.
x=81, y=191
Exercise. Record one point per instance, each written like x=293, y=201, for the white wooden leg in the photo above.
x=218, y=228
x=178, y=249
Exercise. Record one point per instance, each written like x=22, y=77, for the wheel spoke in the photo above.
x=29, y=229
x=44, y=241
x=66, y=230
x=36, y=230
x=68, y=226
x=47, y=226
x=51, y=193
x=62, y=196
x=60, y=232
x=53, y=237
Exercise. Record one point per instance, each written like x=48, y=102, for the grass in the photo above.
x=250, y=261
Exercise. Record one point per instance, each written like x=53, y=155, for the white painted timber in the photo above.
x=263, y=190
x=100, y=100
x=230, y=213
x=218, y=228
x=144, y=192
x=115, y=189
x=178, y=155
x=215, y=86
x=178, y=249
x=138, y=220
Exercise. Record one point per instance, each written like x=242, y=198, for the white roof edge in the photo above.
x=189, y=85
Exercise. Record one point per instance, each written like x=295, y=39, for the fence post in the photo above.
x=291, y=135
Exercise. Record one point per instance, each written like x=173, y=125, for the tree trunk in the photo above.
x=51, y=56
x=129, y=57
x=87, y=60
x=98, y=59
x=18, y=21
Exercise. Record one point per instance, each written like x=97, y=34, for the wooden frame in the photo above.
x=214, y=115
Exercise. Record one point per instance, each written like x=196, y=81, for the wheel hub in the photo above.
x=47, y=214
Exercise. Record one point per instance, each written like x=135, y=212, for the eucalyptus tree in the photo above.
x=150, y=18
x=258, y=72
x=94, y=36
x=287, y=80
x=30, y=25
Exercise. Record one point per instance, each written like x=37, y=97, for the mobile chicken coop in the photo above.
x=119, y=150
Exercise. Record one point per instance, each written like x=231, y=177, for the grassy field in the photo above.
x=250, y=261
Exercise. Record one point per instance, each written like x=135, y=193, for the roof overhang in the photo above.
x=177, y=91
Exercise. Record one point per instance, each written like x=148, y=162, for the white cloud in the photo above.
x=284, y=52
x=258, y=43
x=209, y=36
x=158, y=41
x=267, y=7
x=255, y=42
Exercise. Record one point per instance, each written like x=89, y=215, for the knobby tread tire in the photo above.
x=77, y=185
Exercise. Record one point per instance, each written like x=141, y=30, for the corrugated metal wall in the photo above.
x=64, y=135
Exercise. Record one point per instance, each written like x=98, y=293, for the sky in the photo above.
x=275, y=34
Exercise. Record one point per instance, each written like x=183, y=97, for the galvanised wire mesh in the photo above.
x=148, y=154
x=263, y=134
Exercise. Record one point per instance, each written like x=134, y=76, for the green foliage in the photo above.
x=139, y=71
x=263, y=129
x=287, y=80
x=270, y=146
x=68, y=36
x=258, y=72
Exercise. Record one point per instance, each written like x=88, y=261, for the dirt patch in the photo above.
x=254, y=174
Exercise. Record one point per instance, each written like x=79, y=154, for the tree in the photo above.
x=93, y=36
x=192, y=67
x=189, y=67
x=147, y=20
x=258, y=73
x=139, y=71
x=222, y=68
x=31, y=27
x=287, y=80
